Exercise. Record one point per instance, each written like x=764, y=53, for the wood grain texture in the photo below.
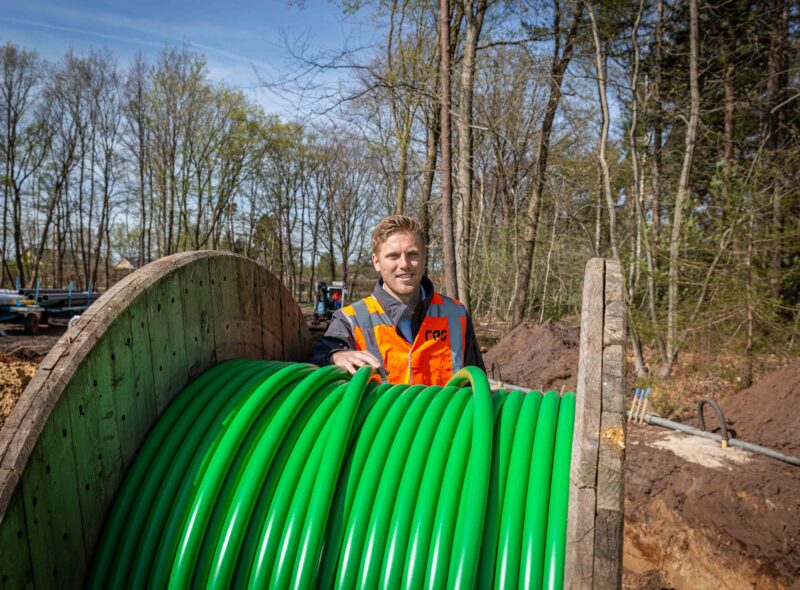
x=611, y=460
x=251, y=309
x=272, y=316
x=227, y=317
x=296, y=336
x=579, y=558
x=78, y=424
x=608, y=550
x=594, y=529
x=198, y=310
x=52, y=506
x=167, y=343
x=16, y=570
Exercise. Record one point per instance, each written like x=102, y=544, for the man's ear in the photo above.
x=375, y=262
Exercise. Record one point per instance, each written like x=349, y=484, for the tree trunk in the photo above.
x=730, y=106
x=777, y=83
x=600, y=65
x=748, y=374
x=549, y=256
x=605, y=173
x=557, y=69
x=683, y=189
x=448, y=244
x=428, y=172
x=658, y=129
x=474, y=13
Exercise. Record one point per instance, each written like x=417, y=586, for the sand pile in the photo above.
x=543, y=356
x=14, y=377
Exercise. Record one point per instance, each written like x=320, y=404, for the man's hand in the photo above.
x=351, y=360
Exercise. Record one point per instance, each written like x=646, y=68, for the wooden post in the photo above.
x=595, y=523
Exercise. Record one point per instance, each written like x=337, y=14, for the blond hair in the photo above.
x=393, y=224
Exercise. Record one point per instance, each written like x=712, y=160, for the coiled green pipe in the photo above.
x=269, y=474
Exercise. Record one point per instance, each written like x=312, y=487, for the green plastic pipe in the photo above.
x=268, y=474
x=556, y=540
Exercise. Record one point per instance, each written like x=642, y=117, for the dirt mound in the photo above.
x=14, y=377
x=543, y=356
x=766, y=413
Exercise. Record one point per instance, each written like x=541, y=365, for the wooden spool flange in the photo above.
x=75, y=430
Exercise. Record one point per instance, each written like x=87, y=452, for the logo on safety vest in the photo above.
x=436, y=335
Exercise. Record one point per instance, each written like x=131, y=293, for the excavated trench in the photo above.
x=696, y=516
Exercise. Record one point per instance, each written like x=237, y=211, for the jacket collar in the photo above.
x=396, y=309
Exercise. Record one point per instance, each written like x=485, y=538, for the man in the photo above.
x=405, y=330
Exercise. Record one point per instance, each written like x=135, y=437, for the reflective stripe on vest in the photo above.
x=453, y=312
x=375, y=331
x=367, y=322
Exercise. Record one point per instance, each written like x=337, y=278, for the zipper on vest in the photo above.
x=410, y=377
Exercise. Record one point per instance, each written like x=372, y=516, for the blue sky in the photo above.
x=236, y=36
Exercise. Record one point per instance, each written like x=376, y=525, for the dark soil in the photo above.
x=32, y=347
x=540, y=357
x=731, y=525
x=768, y=413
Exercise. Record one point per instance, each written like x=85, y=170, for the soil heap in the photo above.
x=766, y=413
x=539, y=357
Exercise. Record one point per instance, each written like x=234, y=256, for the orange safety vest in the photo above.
x=436, y=353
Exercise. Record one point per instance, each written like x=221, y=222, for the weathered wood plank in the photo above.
x=15, y=558
x=52, y=508
x=614, y=378
x=249, y=308
x=296, y=336
x=197, y=317
x=290, y=327
x=611, y=460
x=168, y=349
x=95, y=437
x=615, y=308
x=123, y=368
x=227, y=313
x=608, y=549
x=271, y=314
x=590, y=370
x=579, y=557
x=578, y=573
x=144, y=410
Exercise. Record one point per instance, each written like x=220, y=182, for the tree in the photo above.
x=25, y=142
x=474, y=13
x=683, y=187
x=560, y=61
x=445, y=165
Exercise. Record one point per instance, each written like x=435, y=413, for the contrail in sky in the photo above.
x=135, y=40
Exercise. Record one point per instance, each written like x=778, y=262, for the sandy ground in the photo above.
x=701, y=516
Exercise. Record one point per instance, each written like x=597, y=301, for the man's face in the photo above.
x=401, y=261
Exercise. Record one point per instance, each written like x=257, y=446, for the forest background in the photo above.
x=527, y=137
